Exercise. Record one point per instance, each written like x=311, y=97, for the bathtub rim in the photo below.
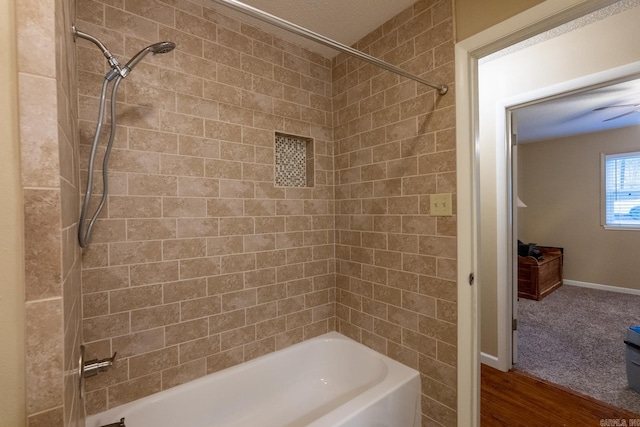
x=397, y=374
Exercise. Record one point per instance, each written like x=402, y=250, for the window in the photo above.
x=621, y=195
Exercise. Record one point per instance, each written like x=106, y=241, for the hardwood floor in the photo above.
x=515, y=399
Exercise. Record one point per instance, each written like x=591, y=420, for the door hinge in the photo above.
x=472, y=279
x=514, y=324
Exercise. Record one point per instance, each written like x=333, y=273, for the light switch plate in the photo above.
x=441, y=204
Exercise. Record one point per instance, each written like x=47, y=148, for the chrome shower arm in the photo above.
x=113, y=61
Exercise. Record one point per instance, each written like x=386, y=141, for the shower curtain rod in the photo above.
x=319, y=38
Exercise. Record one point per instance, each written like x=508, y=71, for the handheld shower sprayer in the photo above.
x=118, y=73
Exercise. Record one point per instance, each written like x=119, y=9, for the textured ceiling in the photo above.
x=345, y=21
x=580, y=113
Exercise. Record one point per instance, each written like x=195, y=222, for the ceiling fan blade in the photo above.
x=621, y=115
x=616, y=106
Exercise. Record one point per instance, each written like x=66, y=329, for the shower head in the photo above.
x=156, y=48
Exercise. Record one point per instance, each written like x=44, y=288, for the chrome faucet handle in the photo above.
x=92, y=367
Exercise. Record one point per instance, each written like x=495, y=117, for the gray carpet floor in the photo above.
x=574, y=338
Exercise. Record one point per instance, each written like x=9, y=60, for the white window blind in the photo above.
x=622, y=190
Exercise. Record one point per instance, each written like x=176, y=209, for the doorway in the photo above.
x=532, y=73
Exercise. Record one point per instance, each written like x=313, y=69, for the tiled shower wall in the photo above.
x=48, y=134
x=199, y=262
x=394, y=147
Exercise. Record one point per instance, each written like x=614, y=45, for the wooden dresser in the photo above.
x=537, y=279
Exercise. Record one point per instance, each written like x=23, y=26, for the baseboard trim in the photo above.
x=490, y=360
x=601, y=287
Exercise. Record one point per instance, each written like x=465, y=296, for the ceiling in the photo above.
x=580, y=113
x=343, y=21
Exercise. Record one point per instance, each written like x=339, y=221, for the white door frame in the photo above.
x=540, y=18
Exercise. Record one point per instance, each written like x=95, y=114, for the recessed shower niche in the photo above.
x=294, y=161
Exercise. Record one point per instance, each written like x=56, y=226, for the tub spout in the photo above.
x=118, y=424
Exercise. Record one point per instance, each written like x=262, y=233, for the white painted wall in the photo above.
x=592, y=54
x=12, y=317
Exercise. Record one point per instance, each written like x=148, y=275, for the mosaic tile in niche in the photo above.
x=293, y=161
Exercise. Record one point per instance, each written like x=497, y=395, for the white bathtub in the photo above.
x=326, y=381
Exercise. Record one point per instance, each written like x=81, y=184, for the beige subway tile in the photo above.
x=151, y=229
x=181, y=82
x=96, y=402
x=183, y=373
x=180, y=207
x=289, y=338
x=438, y=246
x=447, y=353
x=225, y=207
x=224, y=245
x=419, y=264
x=152, y=185
x=134, y=389
x=148, y=273
x=236, y=189
x=270, y=225
x=418, y=224
x=43, y=274
x=271, y=293
x=289, y=240
x=447, y=268
x=222, y=54
x=237, y=337
x=199, y=267
x=226, y=94
x=199, y=27
x=102, y=327
x=44, y=368
x=259, y=242
x=271, y=259
x=195, y=65
x=135, y=298
x=234, y=40
x=444, y=161
x=227, y=321
x=223, y=169
x=135, y=207
x=234, y=77
x=39, y=144
x=298, y=319
x=134, y=161
x=197, y=227
x=241, y=299
x=236, y=226
x=403, y=280
x=154, y=361
x=197, y=187
x=199, y=147
x=184, y=290
x=223, y=131
x=184, y=42
x=196, y=106
x=259, y=278
x=184, y=248
x=181, y=165
x=154, y=317
x=271, y=327
x=135, y=252
x=259, y=348
x=104, y=279
x=438, y=329
x=49, y=418
x=259, y=207
x=257, y=172
x=225, y=359
x=95, y=304
x=186, y=331
x=387, y=295
x=290, y=305
x=199, y=349
x=201, y=307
